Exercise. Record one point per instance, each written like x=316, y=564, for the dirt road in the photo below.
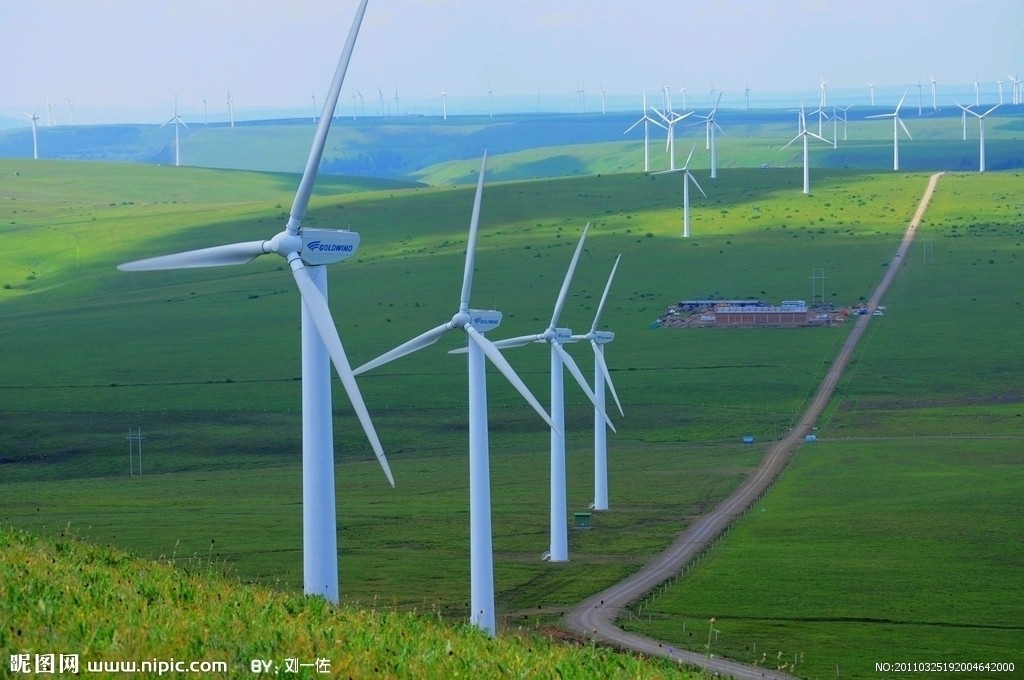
x=595, y=617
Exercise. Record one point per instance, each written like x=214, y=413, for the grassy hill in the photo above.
x=533, y=146
x=63, y=596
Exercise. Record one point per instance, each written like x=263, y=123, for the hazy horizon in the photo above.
x=123, y=61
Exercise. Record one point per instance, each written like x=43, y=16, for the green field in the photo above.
x=896, y=536
x=206, y=363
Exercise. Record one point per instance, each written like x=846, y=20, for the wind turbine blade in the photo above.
x=570, y=363
x=624, y=132
x=793, y=140
x=516, y=342
x=506, y=369
x=217, y=256
x=900, y=121
x=316, y=151
x=689, y=176
x=564, y=292
x=474, y=227
x=419, y=342
x=316, y=304
x=687, y=163
x=505, y=344
x=819, y=137
x=989, y=111
x=604, y=295
x=607, y=376
x=901, y=101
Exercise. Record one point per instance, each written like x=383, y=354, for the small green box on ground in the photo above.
x=582, y=520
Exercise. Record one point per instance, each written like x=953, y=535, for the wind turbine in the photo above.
x=687, y=178
x=1015, y=89
x=981, y=132
x=475, y=322
x=176, y=119
x=602, y=102
x=935, y=106
x=844, y=109
x=746, y=97
x=711, y=125
x=362, y=104
x=896, y=124
x=682, y=91
x=671, y=118
x=871, y=87
x=805, y=133
x=977, y=94
x=35, y=135
x=71, y=108
x=646, y=120
x=313, y=97
x=231, y=109
x=307, y=252
x=554, y=336
x=444, y=105
x=490, y=100
x=380, y=102
x=598, y=339
x=397, y=110
x=999, y=84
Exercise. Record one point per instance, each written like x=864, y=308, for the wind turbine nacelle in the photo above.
x=563, y=335
x=327, y=246
x=485, y=319
x=603, y=337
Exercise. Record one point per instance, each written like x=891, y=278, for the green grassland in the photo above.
x=897, y=535
x=206, y=361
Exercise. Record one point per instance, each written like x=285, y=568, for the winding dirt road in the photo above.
x=595, y=617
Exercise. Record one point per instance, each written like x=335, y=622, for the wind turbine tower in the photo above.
x=35, y=135
x=307, y=252
x=231, y=109
x=935, y=106
x=444, y=106
x=871, y=87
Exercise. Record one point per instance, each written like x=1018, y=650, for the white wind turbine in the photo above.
x=1015, y=89
x=871, y=87
x=474, y=322
x=231, y=109
x=977, y=94
x=554, y=336
x=935, y=106
x=598, y=339
x=176, y=119
x=804, y=134
x=307, y=252
x=35, y=135
x=444, y=106
x=981, y=132
x=671, y=118
x=896, y=124
x=687, y=178
x=646, y=120
x=710, y=127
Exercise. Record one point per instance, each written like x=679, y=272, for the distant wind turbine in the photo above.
x=670, y=119
x=646, y=120
x=935, y=106
x=444, y=106
x=804, y=134
x=176, y=119
x=711, y=126
x=897, y=123
x=871, y=87
x=981, y=132
x=35, y=136
x=687, y=178
x=231, y=109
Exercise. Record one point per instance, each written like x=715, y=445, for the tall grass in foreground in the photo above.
x=64, y=596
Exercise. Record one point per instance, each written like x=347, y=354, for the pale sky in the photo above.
x=135, y=54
